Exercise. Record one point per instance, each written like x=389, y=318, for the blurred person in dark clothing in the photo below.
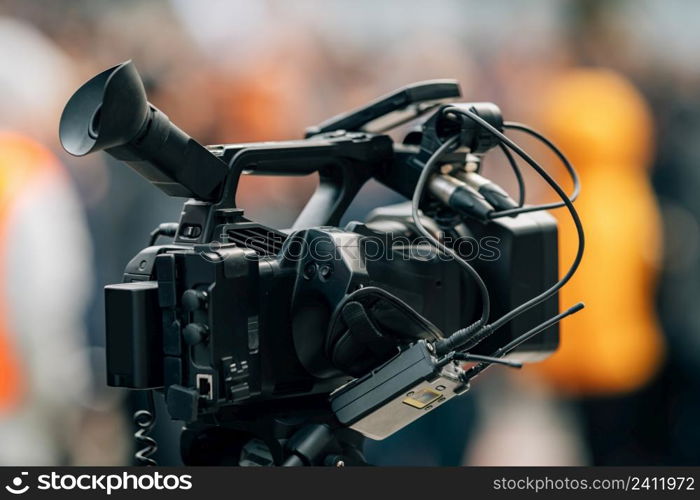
x=677, y=182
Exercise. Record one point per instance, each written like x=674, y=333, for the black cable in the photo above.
x=518, y=174
x=554, y=149
x=564, y=160
x=467, y=340
x=467, y=356
x=502, y=351
x=417, y=196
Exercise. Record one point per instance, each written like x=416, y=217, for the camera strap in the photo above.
x=362, y=335
x=369, y=327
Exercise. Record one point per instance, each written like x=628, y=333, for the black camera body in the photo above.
x=235, y=321
x=247, y=320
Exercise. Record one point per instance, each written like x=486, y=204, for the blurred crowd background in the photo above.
x=614, y=83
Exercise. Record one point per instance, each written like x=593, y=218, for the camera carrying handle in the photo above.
x=343, y=161
x=337, y=149
x=391, y=110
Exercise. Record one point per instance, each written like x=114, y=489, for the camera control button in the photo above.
x=195, y=333
x=193, y=300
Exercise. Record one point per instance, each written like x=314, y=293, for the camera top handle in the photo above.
x=344, y=150
x=391, y=110
x=344, y=162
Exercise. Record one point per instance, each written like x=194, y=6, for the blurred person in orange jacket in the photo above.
x=614, y=346
x=610, y=355
x=604, y=126
x=44, y=262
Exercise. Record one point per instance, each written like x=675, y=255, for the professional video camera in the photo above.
x=288, y=346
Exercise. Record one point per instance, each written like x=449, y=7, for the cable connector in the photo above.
x=461, y=197
x=464, y=339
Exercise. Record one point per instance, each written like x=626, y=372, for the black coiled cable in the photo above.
x=145, y=420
